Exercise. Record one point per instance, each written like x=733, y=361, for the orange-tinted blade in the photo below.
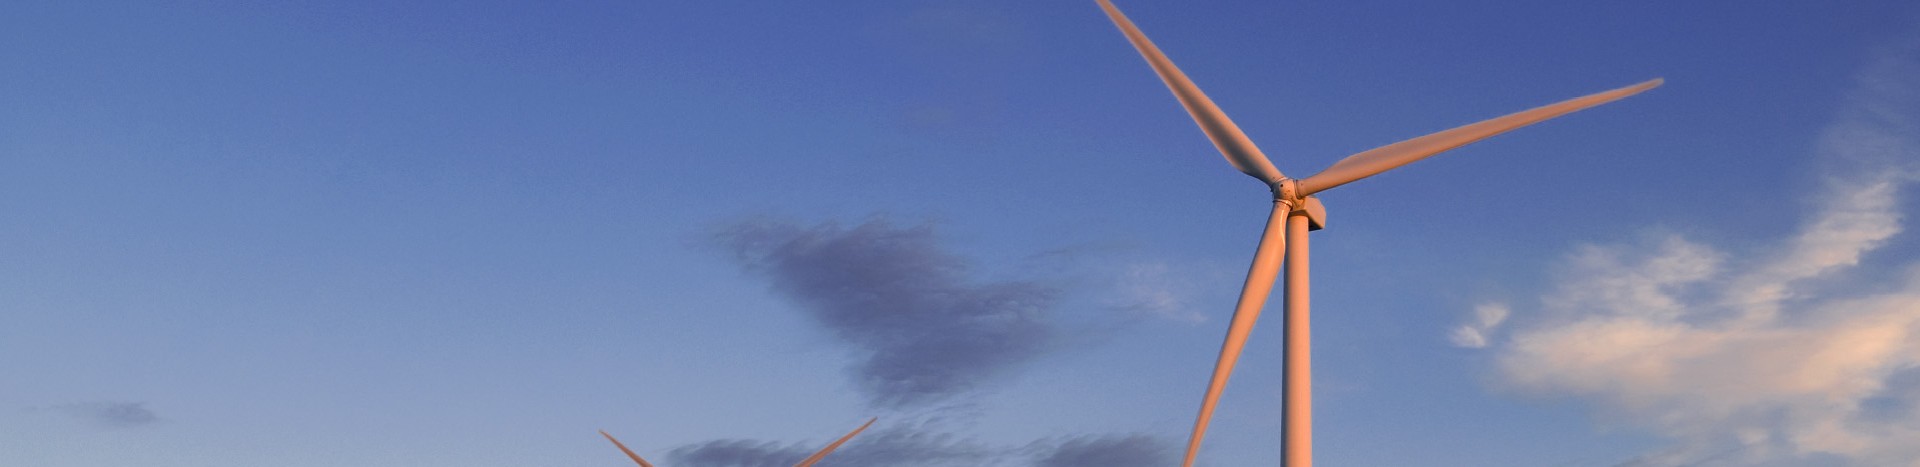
x=1384, y=158
x=623, y=448
x=1225, y=135
x=835, y=445
x=1253, y=295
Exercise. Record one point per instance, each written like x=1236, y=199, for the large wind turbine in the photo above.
x=1295, y=212
x=808, y=462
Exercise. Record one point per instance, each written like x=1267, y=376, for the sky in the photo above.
x=473, y=233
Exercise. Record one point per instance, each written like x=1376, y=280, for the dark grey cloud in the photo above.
x=906, y=446
x=886, y=448
x=1108, y=451
x=117, y=414
x=920, y=447
x=737, y=453
x=927, y=330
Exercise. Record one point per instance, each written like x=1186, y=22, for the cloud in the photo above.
x=1771, y=358
x=1124, y=278
x=908, y=446
x=888, y=447
x=737, y=453
x=114, y=414
x=1486, y=317
x=903, y=446
x=1151, y=288
x=926, y=330
x=1107, y=451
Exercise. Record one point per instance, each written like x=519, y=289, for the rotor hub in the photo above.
x=1286, y=191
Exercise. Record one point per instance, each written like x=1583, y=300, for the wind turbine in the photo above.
x=808, y=462
x=1295, y=212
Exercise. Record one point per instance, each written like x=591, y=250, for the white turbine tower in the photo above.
x=808, y=462
x=1295, y=212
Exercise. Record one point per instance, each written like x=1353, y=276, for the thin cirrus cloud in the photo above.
x=1778, y=357
x=1127, y=283
x=925, y=329
x=1154, y=289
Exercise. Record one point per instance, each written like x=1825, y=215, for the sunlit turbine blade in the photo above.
x=835, y=445
x=1253, y=295
x=623, y=448
x=1384, y=158
x=1225, y=135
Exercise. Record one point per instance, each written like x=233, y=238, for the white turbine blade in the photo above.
x=1253, y=295
x=1384, y=158
x=623, y=448
x=835, y=445
x=1225, y=135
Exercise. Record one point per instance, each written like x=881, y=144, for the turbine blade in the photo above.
x=623, y=448
x=1253, y=295
x=835, y=445
x=1384, y=158
x=1225, y=135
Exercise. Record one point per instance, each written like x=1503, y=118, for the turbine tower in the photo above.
x=1295, y=212
x=808, y=462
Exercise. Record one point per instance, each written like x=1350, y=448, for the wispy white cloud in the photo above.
x=1154, y=289
x=1753, y=359
x=1486, y=317
x=1130, y=281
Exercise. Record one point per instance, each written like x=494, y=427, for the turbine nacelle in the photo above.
x=1315, y=213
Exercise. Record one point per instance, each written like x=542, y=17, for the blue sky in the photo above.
x=471, y=233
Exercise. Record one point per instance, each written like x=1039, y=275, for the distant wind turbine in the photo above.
x=1295, y=212
x=808, y=462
